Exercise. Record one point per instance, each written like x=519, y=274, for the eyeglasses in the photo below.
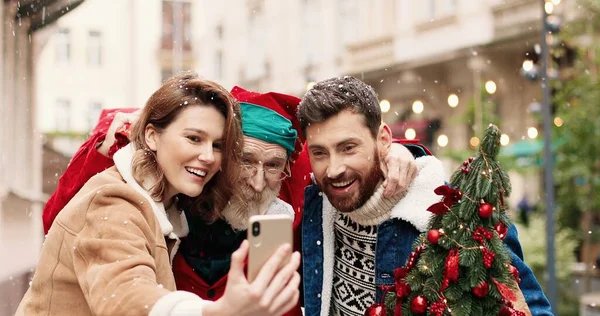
x=274, y=174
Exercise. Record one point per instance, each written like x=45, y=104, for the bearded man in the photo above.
x=355, y=235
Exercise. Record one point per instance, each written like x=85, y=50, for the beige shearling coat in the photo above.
x=109, y=252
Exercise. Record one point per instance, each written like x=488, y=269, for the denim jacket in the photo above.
x=395, y=238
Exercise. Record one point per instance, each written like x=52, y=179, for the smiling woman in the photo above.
x=118, y=236
x=193, y=131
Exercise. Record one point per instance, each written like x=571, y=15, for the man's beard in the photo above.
x=367, y=186
x=246, y=203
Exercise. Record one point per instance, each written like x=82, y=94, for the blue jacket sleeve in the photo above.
x=532, y=291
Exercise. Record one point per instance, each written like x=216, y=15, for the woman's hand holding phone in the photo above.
x=274, y=291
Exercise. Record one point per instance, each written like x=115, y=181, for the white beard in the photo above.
x=248, y=203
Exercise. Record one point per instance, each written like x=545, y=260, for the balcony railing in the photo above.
x=513, y=18
x=375, y=53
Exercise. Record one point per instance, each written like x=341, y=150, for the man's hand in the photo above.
x=399, y=170
x=118, y=122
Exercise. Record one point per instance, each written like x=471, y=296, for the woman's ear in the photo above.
x=151, y=137
x=384, y=139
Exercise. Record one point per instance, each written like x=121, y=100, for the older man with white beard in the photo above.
x=269, y=139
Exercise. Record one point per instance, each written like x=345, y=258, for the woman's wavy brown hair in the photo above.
x=163, y=107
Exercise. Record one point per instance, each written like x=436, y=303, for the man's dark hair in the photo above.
x=332, y=96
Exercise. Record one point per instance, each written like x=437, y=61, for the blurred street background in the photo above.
x=443, y=69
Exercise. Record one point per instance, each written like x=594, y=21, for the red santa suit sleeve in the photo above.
x=86, y=162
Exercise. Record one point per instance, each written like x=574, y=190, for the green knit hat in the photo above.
x=267, y=125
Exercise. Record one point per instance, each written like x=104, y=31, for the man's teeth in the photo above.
x=341, y=184
x=197, y=172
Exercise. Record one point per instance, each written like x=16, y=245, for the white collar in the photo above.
x=172, y=222
x=419, y=196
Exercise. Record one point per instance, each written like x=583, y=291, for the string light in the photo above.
x=558, y=121
x=504, y=140
x=532, y=132
x=549, y=7
x=527, y=65
x=490, y=87
x=474, y=141
x=384, y=105
x=418, y=106
x=442, y=140
x=453, y=100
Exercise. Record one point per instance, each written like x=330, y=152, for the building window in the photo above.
x=63, y=115
x=257, y=54
x=348, y=26
x=63, y=45
x=313, y=32
x=94, y=109
x=439, y=8
x=94, y=48
x=176, y=25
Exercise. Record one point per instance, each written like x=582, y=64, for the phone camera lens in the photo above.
x=255, y=229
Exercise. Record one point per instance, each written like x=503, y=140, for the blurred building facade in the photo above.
x=440, y=56
x=22, y=25
x=89, y=64
x=437, y=55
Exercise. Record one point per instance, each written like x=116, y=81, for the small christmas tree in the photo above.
x=461, y=266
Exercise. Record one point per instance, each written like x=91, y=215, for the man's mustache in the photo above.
x=343, y=177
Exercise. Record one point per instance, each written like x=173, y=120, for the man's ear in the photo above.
x=150, y=136
x=384, y=139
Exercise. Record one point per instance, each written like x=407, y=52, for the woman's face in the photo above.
x=189, y=150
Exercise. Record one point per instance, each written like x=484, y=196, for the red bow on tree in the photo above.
x=451, y=196
x=402, y=288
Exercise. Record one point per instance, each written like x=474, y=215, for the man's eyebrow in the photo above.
x=315, y=147
x=277, y=159
x=248, y=153
x=279, y=155
x=338, y=144
x=347, y=140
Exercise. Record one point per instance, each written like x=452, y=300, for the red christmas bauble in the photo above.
x=418, y=305
x=505, y=311
x=486, y=210
x=433, y=236
x=459, y=195
x=376, y=310
x=515, y=273
x=501, y=230
x=482, y=289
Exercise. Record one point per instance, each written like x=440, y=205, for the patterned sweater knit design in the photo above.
x=354, y=266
